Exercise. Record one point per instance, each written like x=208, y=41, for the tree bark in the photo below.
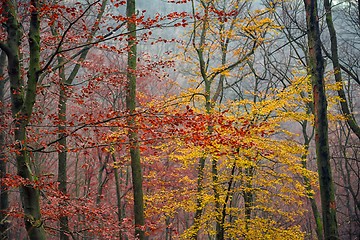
x=4, y=198
x=133, y=132
x=118, y=198
x=248, y=195
x=307, y=183
x=22, y=107
x=316, y=70
x=62, y=155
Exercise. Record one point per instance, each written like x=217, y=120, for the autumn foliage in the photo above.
x=224, y=131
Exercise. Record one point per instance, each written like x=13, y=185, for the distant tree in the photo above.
x=65, y=82
x=225, y=39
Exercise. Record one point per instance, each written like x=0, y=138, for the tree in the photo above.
x=316, y=71
x=26, y=77
x=214, y=31
x=4, y=196
x=344, y=157
x=132, y=125
x=350, y=119
x=62, y=115
x=23, y=99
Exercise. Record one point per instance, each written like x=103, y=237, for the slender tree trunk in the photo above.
x=121, y=208
x=316, y=69
x=337, y=71
x=248, y=195
x=220, y=230
x=199, y=198
x=201, y=164
x=168, y=231
x=307, y=183
x=4, y=198
x=221, y=233
x=102, y=177
x=118, y=198
x=77, y=188
x=62, y=155
x=310, y=195
x=133, y=133
x=200, y=42
x=64, y=83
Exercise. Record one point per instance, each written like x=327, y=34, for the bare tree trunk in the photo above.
x=133, y=133
x=316, y=70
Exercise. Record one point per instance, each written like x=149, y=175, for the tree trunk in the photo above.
x=337, y=71
x=316, y=70
x=248, y=195
x=307, y=183
x=64, y=83
x=4, y=198
x=201, y=165
x=133, y=132
x=118, y=198
x=62, y=155
x=22, y=107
